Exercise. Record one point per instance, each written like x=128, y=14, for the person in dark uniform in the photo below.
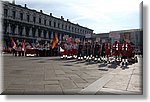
x=37, y=50
x=19, y=50
x=103, y=52
x=22, y=52
x=80, y=54
x=48, y=50
x=96, y=51
x=85, y=50
x=40, y=50
x=44, y=50
x=13, y=51
x=107, y=52
x=89, y=51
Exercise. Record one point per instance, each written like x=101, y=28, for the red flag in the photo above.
x=54, y=42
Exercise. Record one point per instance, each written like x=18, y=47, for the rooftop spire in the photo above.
x=13, y=1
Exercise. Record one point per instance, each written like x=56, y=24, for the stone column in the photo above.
x=30, y=32
x=42, y=34
x=36, y=33
x=16, y=29
x=52, y=35
x=60, y=36
x=47, y=36
x=24, y=31
x=8, y=29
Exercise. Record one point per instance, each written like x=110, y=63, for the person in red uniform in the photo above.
x=75, y=50
x=62, y=50
x=125, y=52
x=116, y=48
x=107, y=51
x=97, y=51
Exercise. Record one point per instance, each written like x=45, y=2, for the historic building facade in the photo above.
x=23, y=23
x=134, y=36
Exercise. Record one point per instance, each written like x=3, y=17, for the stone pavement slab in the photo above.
x=50, y=75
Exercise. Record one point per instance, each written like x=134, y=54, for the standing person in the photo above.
x=80, y=48
x=97, y=51
x=75, y=50
x=125, y=53
x=14, y=46
x=103, y=52
x=50, y=46
x=107, y=51
x=48, y=49
x=65, y=50
x=62, y=50
x=40, y=50
x=44, y=50
x=37, y=49
x=116, y=50
x=85, y=50
x=88, y=51
x=23, y=48
x=19, y=50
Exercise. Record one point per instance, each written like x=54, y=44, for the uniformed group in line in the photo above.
x=105, y=52
x=39, y=50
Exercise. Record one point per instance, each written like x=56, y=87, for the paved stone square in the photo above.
x=52, y=75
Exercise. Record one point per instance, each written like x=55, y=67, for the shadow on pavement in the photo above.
x=114, y=66
x=68, y=65
x=41, y=62
x=102, y=65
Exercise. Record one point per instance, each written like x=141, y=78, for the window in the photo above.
x=34, y=19
x=20, y=29
x=54, y=24
x=33, y=32
x=45, y=22
x=5, y=28
x=58, y=25
x=49, y=33
x=69, y=27
x=28, y=18
x=66, y=27
x=62, y=26
x=27, y=31
x=5, y=12
x=40, y=20
x=13, y=14
x=44, y=33
x=21, y=16
x=39, y=33
x=50, y=23
x=13, y=29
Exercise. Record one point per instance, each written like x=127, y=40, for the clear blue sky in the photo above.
x=100, y=15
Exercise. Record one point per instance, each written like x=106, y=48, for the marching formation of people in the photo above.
x=99, y=52
x=38, y=50
x=31, y=49
x=69, y=48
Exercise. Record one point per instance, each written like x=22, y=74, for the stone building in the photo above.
x=23, y=23
x=135, y=36
x=102, y=37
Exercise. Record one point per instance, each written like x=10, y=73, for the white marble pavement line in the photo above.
x=117, y=92
x=98, y=84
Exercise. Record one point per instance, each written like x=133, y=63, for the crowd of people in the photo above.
x=31, y=49
x=99, y=51
x=86, y=50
